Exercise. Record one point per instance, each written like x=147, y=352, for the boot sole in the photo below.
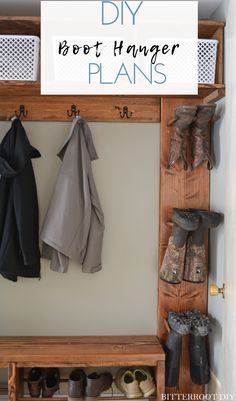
x=149, y=392
x=75, y=399
x=209, y=219
x=182, y=223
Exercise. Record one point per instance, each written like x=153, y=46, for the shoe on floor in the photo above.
x=96, y=384
x=145, y=381
x=76, y=385
x=35, y=381
x=51, y=382
x=126, y=383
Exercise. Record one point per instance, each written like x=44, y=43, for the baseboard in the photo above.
x=214, y=387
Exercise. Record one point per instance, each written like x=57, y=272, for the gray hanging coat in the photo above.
x=74, y=223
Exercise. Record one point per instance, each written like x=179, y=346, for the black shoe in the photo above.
x=35, y=381
x=51, y=382
x=76, y=385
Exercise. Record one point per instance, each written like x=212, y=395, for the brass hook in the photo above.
x=73, y=111
x=22, y=111
x=125, y=112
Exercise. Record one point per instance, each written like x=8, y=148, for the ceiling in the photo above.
x=32, y=7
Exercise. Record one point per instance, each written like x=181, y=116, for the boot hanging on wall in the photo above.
x=179, y=324
x=195, y=269
x=173, y=263
x=198, y=355
x=184, y=116
x=188, y=262
x=191, y=126
x=200, y=135
x=196, y=325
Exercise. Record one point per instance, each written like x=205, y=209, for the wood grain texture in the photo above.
x=69, y=351
x=181, y=189
x=12, y=381
x=19, y=25
x=160, y=379
x=86, y=351
x=92, y=108
x=219, y=35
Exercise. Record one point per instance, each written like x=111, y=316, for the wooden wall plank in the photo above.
x=181, y=189
x=92, y=108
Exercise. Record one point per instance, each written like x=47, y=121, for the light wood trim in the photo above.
x=219, y=35
x=12, y=381
x=160, y=380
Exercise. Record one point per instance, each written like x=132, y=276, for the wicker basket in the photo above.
x=19, y=57
x=207, y=52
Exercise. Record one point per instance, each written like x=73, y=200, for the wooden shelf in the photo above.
x=32, y=88
x=92, y=108
x=95, y=108
x=92, y=351
x=81, y=351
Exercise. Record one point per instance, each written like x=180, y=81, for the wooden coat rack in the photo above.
x=178, y=188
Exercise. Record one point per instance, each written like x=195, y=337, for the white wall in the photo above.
x=121, y=299
x=226, y=352
x=216, y=268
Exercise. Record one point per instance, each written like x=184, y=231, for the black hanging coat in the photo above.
x=19, y=244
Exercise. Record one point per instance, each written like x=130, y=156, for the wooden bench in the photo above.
x=17, y=353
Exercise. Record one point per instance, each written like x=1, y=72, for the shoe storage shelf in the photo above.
x=93, y=108
x=17, y=353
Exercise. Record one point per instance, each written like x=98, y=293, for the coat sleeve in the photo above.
x=25, y=204
x=92, y=259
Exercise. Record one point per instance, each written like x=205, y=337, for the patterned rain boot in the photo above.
x=184, y=116
x=173, y=263
x=195, y=269
x=180, y=325
x=198, y=353
x=200, y=135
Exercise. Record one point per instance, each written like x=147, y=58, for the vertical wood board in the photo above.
x=181, y=189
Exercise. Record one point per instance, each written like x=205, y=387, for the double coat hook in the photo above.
x=73, y=111
x=124, y=112
x=22, y=112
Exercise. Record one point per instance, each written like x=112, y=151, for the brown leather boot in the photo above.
x=200, y=135
x=184, y=116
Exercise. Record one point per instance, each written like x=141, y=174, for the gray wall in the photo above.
x=121, y=299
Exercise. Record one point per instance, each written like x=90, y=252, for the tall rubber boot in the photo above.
x=180, y=325
x=173, y=348
x=195, y=269
x=184, y=116
x=173, y=263
x=198, y=353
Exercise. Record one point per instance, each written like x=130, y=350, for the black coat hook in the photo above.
x=22, y=111
x=73, y=111
x=125, y=112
